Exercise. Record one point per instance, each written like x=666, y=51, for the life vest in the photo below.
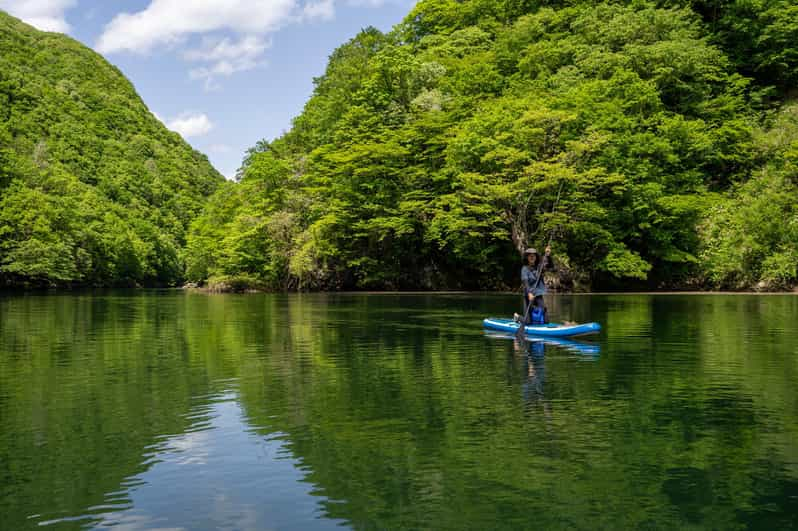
x=537, y=316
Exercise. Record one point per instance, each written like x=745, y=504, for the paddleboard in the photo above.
x=547, y=330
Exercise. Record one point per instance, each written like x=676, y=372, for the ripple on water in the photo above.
x=309, y=412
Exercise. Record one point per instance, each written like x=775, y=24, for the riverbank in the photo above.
x=212, y=291
x=249, y=284
x=237, y=288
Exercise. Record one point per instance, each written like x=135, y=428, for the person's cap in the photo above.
x=531, y=250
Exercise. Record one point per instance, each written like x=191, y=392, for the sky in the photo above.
x=222, y=73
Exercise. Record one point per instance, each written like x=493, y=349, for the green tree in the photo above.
x=429, y=156
x=95, y=190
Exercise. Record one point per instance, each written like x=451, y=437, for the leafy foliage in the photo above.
x=628, y=134
x=751, y=234
x=93, y=189
x=429, y=156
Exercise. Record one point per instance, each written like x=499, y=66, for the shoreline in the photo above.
x=207, y=291
x=480, y=292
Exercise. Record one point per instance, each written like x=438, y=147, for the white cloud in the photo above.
x=178, y=23
x=46, y=15
x=323, y=9
x=366, y=3
x=190, y=125
x=379, y=3
x=169, y=21
x=224, y=49
x=225, y=57
x=221, y=37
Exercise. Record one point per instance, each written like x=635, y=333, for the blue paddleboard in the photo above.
x=547, y=330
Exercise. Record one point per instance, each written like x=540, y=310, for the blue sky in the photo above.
x=223, y=73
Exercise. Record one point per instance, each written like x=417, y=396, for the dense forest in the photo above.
x=94, y=190
x=653, y=143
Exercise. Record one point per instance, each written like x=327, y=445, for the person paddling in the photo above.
x=535, y=284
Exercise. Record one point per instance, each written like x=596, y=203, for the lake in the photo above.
x=174, y=410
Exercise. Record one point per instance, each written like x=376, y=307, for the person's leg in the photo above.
x=526, y=309
x=538, y=303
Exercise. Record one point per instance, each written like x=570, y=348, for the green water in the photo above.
x=185, y=411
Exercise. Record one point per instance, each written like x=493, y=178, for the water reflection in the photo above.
x=395, y=411
x=535, y=364
x=207, y=463
x=537, y=345
x=532, y=350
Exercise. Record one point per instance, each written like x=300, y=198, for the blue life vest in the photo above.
x=537, y=316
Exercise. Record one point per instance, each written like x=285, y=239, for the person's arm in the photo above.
x=526, y=279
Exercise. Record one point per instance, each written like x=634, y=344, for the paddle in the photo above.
x=521, y=332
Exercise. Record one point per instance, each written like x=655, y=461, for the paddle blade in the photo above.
x=520, y=334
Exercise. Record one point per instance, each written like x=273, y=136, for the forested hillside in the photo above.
x=648, y=140
x=93, y=189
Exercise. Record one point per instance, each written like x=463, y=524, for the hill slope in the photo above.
x=94, y=190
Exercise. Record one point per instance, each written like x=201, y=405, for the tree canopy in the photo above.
x=626, y=133
x=94, y=190
x=652, y=142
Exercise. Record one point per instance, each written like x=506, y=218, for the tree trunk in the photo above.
x=518, y=233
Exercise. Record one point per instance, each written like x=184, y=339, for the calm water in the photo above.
x=184, y=411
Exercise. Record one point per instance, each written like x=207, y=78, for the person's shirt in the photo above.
x=529, y=277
